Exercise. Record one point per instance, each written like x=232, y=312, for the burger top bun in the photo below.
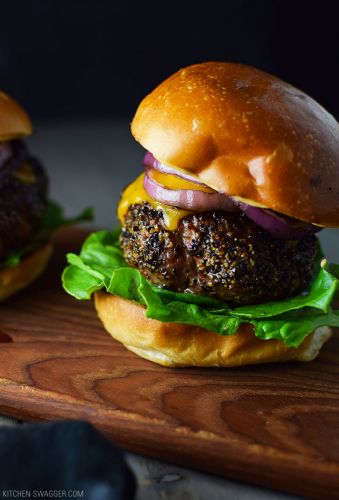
x=14, y=121
x=248, y=134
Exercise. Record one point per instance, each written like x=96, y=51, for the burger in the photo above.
x=27, y=217
x=217, y=262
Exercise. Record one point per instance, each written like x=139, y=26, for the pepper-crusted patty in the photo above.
x=23, y=198
x=223, y=255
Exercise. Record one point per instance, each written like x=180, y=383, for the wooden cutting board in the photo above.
x=272, y=425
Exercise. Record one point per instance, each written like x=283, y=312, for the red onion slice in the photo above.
x=277, y=226
x=199, y=201
x=5, y=153
x=150, y=161
x=187, y=199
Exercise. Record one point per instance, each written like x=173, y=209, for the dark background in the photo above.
x=88, y=58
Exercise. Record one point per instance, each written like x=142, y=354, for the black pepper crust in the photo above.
x=23, y=198
x=219, y=254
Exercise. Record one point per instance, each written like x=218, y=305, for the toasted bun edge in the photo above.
x=14, y=279
x=178, y=345
x=14, y=121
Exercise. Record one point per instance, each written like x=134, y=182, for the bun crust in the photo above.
x=173, y=344
x=14, y=121
x=13, y=279
x=249, y=134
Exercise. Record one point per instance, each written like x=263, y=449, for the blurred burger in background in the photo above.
x=217, y=262
x=27, y=217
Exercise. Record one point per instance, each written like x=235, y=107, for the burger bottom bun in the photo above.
x=13, y=279
x=173, y=344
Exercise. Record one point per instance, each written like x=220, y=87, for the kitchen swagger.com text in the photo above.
x=41, y=494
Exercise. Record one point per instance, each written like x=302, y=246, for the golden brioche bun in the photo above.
x=249, y=134
x=173, y=344
x=14, y=121
x=13, y=279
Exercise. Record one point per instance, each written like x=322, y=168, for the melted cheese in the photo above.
x=135, y=193
x=25, y=174
x=175, y=182
x=250, y=202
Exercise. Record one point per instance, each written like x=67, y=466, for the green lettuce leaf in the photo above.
x=101, y=265
x=53, y=219
x=319, y=296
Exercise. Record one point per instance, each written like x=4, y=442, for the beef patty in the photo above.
x=223, y=255
x=23, y=197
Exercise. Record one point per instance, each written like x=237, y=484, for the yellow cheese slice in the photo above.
x=135, y=193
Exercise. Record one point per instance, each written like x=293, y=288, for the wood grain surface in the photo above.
x=271, y=425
